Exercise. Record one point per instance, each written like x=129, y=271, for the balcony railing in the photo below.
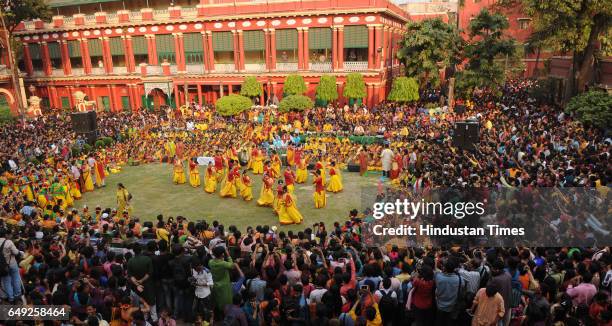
x=90, y=19
x=120, y=70
x=57, y=72
x=78, y=72
x=255, y=67
x=191, y=12
x=112, y=18
x=286, y=66
x=97, y=71
x=161, y=14
x=355, y=65
x=321, y=66
x=154, y=70
x=4, y=70
x=225, y=67
x=135, y=16
x=195, y=69
x=38, y=73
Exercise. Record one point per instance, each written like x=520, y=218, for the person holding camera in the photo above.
x=9, y=268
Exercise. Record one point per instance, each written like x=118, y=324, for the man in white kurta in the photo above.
x=386, y=157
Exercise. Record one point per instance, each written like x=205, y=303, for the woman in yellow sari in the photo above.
x=179, y=172
x=290, y=156
x=87, y=180
x=335, y=180
x=301, y=171
x=123, y=199
x=75, y=192
x=229, y=188
x=266, y=196
x=257, y=161
x=211, y=179
x=319, y=194
x=194, y=174
x=276, y=165
x=288, y=213
x=246, y=192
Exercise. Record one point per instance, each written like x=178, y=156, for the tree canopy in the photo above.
x=327, y=89
x=592, y=108
x=22, y=10
x=294, y=85
x=404, y=90
x=295, y=103
x=571, y=26
x=427, y=45
x=355, y=86
x=251, y=87
x=232, y=104
x=487, y=51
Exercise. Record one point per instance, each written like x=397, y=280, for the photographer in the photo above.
x=9, y=269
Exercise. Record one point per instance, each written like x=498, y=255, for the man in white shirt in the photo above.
x=203, y=281
x=11, y=283
x=387, y=158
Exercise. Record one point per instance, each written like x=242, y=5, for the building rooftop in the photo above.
x=66, y=3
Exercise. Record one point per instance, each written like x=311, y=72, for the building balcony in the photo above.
x=255, y=67
x=286, y=66
x=320, y=66
x=154, y=70
x=78, y=71
x=355, y=65
x=38, y=73
x=4, y=70
x=57, y=72
x=120, y=70
x=225, y=67
x=195, y=69
x=98, y=71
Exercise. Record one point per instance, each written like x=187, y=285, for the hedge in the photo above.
x=232, y=104
x=295, y=103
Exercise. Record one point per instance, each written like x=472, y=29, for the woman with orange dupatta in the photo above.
x=288, y=212
x=319, y=194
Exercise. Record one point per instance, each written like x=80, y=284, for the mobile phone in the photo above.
x=365, y=288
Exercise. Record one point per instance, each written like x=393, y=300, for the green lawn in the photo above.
x=154, y=193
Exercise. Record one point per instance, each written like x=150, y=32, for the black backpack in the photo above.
x=4, y=266
x=387, y=304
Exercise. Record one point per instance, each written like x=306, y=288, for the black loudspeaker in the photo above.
x=353, y=167
x=83, y=122
x=466, y=134
x=91, y=136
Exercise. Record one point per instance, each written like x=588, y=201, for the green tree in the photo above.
x=232, y=104
x=294, y=85
x=6, y=117
x=251, y=87
x=355, y=87
x=427, y=45
x=327, y=89
x=12, y=13
x=488, y=51
x=592, y=108
x=295, y=103
x=404, y=90
x=574, y=27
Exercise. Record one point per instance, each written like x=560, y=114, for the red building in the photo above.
x=145, y=57
x=519, y=29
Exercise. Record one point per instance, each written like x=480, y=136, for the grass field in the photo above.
x=154, y=193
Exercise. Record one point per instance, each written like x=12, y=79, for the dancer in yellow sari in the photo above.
x=301, y=172
x=229, y=188
x=275, y=163
x=257, y=161
x=211, y=179
x=123, y=199
x=319, y=194
x=290, y=156
x=247, y=188
x=178, y=172
x=289, y=213
x=87, y=180
x=194, y=174
x=266, y=196
x=335, y=180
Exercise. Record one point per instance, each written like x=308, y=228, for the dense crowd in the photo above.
x=112, y=266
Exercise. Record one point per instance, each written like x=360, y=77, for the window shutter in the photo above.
x=164, y=43
x=74, y=49
x=222, y=41
x=54, y=50
x=95, y=47
x=319, y=38
x=34, y=51
x=193, y=42
x=116, y=46
x=356, y=36
x=286, y=39
x=254, y=41
x=139, y=45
